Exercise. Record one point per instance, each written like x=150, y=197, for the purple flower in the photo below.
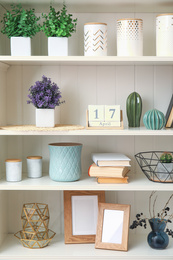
x=44, y=94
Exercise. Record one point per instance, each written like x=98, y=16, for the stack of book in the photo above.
x=110, y=167
x=169, y=114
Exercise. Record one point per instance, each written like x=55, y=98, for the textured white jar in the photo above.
x=57, y=46
x=45, y=117
x=129, y=37
x=164, y=35
x=20, y=46
x=34, y=166
x=13, y=169
x=95, y=39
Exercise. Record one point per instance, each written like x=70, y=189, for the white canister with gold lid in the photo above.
x=13, y=169
x=34, y=166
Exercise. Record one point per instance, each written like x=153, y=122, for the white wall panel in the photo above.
x=3, y=216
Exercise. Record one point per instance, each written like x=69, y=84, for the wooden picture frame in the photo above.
x=112, y=226
x=80, y=208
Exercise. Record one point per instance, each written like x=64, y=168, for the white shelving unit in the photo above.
x=83, y=81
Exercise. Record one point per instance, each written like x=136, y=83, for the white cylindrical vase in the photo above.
x=13, y=169
x=45, y=117
x=20, y=46
x=34, y=166
x=164, y=35
x=129, y=37
x=57, y=46
x=95, y=39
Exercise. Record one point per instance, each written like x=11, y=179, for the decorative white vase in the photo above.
x=129, y=37
x=20, y=46
x=95, y=39
x=45, y=117
x=164, y=35
x=57, y=46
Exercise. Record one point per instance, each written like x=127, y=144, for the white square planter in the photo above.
x=57, y=46
x=45, y=117
x=20, y=46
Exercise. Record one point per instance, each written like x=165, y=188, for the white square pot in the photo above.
x=20, y=46
x=45, y=117
x=57, y=46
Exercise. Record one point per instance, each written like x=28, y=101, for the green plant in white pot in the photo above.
x=20, y=26
x=58, y=27
x=165, y=166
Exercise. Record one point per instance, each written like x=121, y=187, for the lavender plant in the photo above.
x=45, y=94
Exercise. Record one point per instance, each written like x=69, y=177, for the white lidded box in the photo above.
x=129, y=37
x=20, y=46
x=13, y=169
x=34, y=166
x=45, y=117
x=57, y=46
x=164, y=34
x=95, y=39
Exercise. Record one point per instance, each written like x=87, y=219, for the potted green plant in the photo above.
x=20, y=26
x=58, y=27
x=165, y=166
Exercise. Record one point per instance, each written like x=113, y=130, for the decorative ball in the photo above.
x=154, y=119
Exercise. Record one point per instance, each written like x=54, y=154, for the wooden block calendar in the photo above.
x=104, y=117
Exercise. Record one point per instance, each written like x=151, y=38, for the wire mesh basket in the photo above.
x=153, y=168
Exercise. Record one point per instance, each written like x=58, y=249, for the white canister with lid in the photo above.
x=130, y=37
x=95, y=39
x=164, y=34
x=34, y=166
x=13, y=169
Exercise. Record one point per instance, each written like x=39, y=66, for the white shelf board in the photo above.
x=98, y=5
x=134, y=131
x=86, y=61
x=138, y=249
x=136, y=183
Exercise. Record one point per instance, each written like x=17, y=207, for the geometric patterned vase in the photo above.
x=95, y=39
x=65, y=161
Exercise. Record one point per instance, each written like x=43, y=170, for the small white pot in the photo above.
x=57, y=46
x=34, y=166
x=45, y=117
x=13, y=170
x=20, y=46
x=163, y=169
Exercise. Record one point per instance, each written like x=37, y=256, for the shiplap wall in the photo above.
x=81, y=86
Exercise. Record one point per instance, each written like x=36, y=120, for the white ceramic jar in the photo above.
x=95, y=39
x=34, y=166
x=129, y=37
x=164, y=35
x=13, y=169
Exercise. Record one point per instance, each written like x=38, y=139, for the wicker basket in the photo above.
x=153, y=168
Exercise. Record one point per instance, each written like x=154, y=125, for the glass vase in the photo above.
x=157, y=238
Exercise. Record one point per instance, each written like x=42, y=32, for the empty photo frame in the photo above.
x=80, y=215
x=112, y=226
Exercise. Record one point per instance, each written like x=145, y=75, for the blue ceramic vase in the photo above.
x=157, y=238
x=65, y=161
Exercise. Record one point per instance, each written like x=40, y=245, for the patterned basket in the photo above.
x=153, y=168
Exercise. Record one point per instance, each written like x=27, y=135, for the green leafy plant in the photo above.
x=166, y=157
x=58, y=24
x=20, y=22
